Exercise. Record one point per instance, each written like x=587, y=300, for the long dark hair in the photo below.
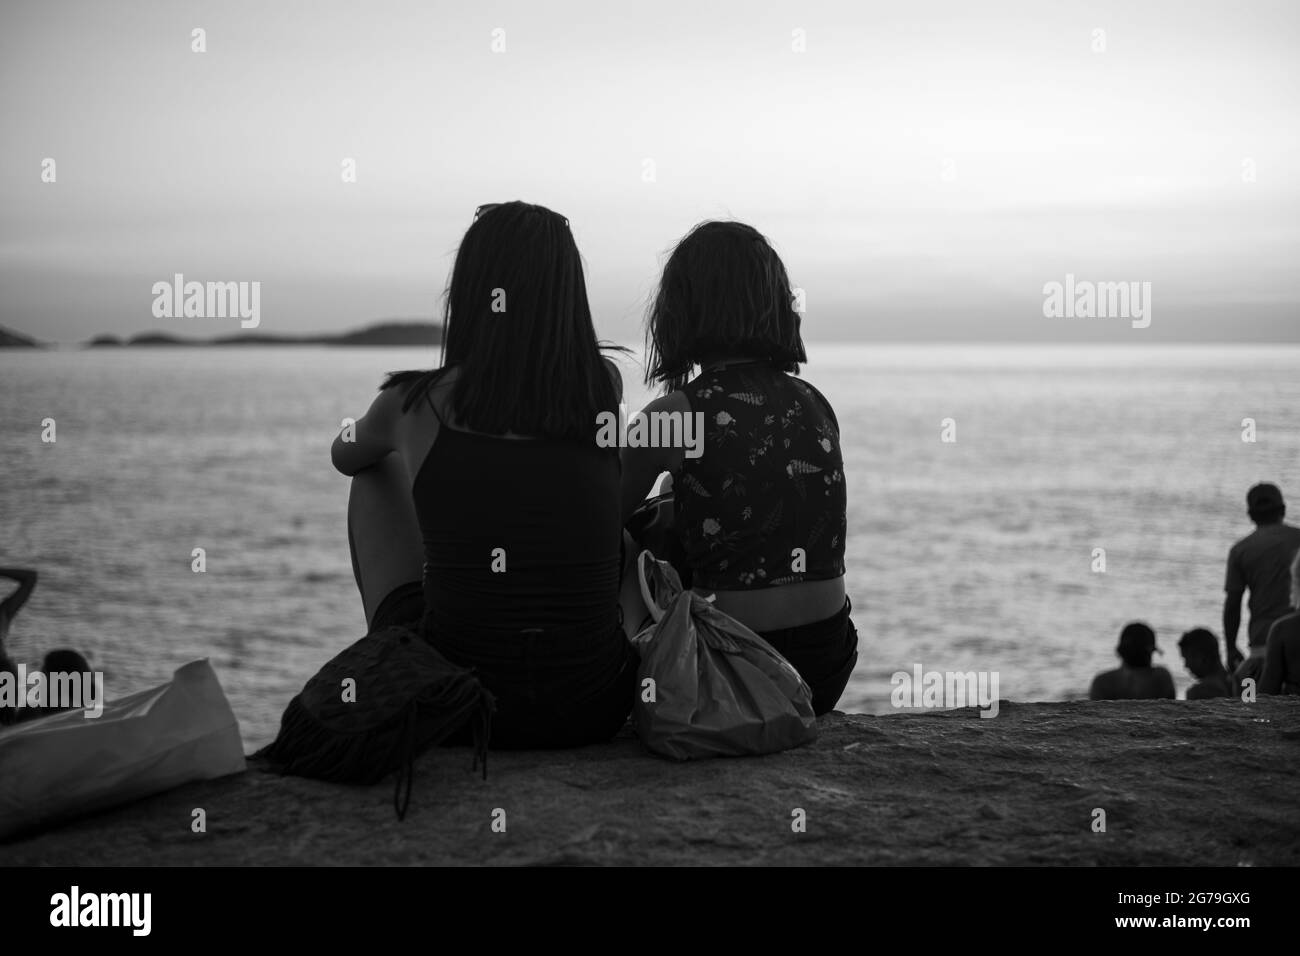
x=724, y=292
x=517, y=324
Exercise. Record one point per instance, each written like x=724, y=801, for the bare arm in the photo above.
x=1231, y=624
x=1270, y=682
x=26, y=579
x=642, y=466
x=1234, y=586
x=11, y=605
x=373, y=435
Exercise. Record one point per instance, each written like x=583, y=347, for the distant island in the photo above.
x=382, y=333
x=10, y=339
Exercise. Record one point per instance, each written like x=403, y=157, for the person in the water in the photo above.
x=1200, y=650
x=59, y=661
x=1135, y=678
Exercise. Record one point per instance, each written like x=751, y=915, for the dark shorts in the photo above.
x=403, y=605
x=556, y=688
x=824, y=653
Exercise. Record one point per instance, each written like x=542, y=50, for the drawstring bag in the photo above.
x=374, y=708
x=718, y=688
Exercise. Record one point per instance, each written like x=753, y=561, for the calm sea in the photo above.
x=970, y=555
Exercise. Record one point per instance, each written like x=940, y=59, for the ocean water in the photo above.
x=970, y=555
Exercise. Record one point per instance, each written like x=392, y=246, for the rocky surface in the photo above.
x=1206, y=782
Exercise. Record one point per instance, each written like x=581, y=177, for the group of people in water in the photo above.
x=1265, y=563
x=484, y=514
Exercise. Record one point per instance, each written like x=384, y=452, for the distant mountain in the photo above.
x=382, y=333
x=394, y=333
x=14, y=340
x=157, y=338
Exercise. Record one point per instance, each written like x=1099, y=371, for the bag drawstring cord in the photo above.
x=407, y=768
x=482, y=732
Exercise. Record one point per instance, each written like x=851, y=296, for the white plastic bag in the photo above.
x=67, y=763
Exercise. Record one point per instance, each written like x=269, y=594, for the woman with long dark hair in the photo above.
x=759, y=516
x=482, y=509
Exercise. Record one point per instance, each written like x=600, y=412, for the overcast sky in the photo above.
x=924, y=168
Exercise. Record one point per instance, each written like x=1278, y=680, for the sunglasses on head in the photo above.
x=487, y=207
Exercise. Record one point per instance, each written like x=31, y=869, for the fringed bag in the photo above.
x=376, y=707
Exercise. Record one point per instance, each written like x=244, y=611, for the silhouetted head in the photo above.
x=518, y=327
x=1136, y=644
x=724, y=292
x=1264, y=503
x=1200, y=649
x=64, y=661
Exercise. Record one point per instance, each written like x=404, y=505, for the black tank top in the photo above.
x=518, y=533
x=770, y=480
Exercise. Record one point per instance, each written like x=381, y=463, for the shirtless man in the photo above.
x=1259, y=563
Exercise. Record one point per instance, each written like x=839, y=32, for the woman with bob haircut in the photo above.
x=482, y=511
x=759, y=515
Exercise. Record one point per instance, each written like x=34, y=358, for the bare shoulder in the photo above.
x=672, y=402
x=1103, y=685
x=1285, y=628
x=615, y=375
x=440, y=386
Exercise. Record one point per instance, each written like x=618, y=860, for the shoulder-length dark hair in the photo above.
x=517, y=324
x=724, y=292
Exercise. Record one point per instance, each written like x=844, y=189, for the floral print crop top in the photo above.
x=764, y=504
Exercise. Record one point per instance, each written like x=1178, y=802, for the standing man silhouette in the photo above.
x=1259, y=563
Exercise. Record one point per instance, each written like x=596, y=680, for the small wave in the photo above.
x=322, y=577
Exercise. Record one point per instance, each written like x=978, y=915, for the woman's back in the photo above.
x=764, y=505
x=481, y=510
x=760, y=514
x=518, y=533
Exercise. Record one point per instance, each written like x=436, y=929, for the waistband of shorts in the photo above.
x=835, y=621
